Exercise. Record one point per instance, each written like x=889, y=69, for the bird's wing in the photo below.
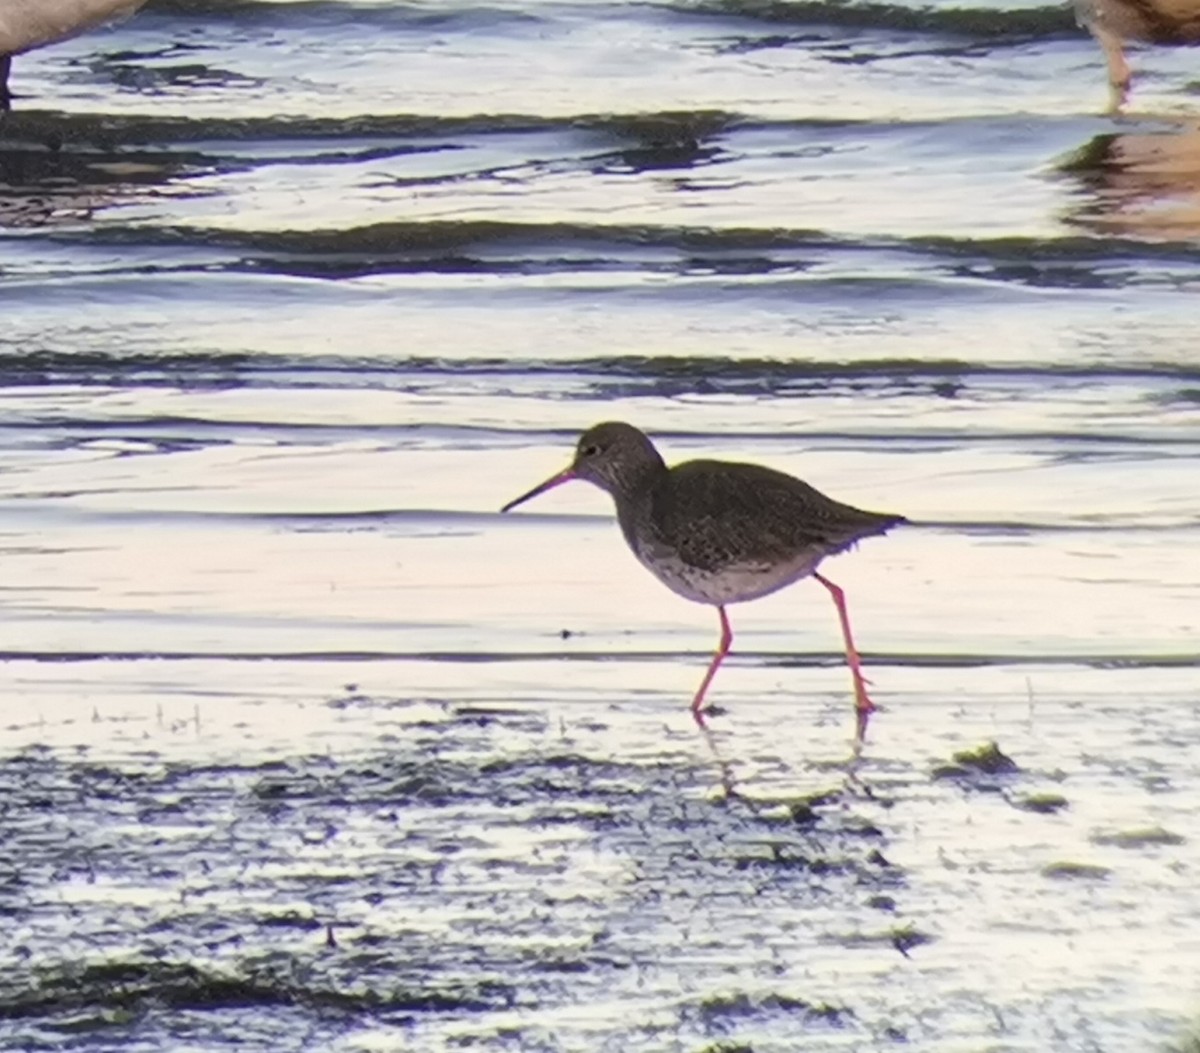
x=713, y=515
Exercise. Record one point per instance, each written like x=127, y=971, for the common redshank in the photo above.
x=719, y=532
x=1114, y=22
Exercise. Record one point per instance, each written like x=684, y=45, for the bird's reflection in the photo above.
x=56, y=168
x=724, y=768
x=1139, y=183
x=852, y=785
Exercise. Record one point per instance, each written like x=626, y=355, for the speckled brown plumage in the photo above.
x=721, y=532
x=715, y=513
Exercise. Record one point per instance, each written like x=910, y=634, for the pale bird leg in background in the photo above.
x=1119, y=74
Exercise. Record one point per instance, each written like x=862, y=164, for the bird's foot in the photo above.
x=863, y=708
x=1118, y=95
x=701, y=713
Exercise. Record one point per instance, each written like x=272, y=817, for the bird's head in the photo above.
x=613, y=456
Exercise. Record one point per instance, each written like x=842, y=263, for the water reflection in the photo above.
x=173, y=69
x=57, y=172
x=1140, y=183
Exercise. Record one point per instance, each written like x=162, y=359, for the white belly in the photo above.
x=28, y=24
x=733, y=584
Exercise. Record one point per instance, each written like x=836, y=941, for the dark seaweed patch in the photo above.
x=987, y=759
x=744, y=1005
x=302, y=885
x=1076, y=871
x=138, y=986
x=973, y=765
x=903, y=938
x=1139, y=838
x=1042, y=803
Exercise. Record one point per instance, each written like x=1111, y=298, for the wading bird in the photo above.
x=718, y=532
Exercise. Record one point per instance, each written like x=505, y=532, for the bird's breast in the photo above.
x=735, y=582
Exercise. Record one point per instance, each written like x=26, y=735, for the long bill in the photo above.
x=565, y=476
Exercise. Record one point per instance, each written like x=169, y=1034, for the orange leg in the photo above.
x=863, y=706
x=722, y=651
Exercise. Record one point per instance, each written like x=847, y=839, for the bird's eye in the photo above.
x=590, y=451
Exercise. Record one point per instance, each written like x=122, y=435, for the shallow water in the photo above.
x=307, y=747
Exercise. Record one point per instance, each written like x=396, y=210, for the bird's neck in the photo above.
x=639, y=480
x=634, y=495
